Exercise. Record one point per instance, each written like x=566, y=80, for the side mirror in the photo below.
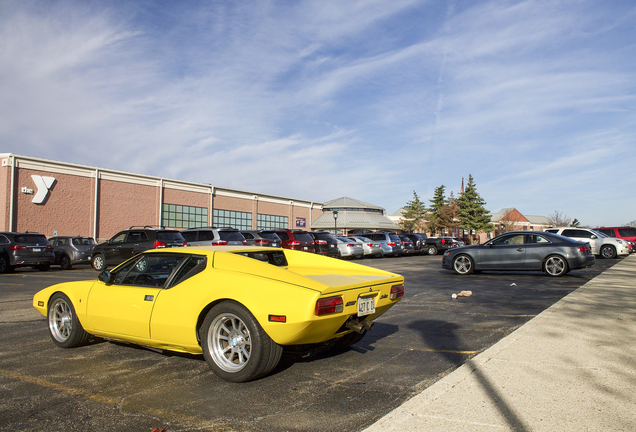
x=105, y=277
x=593, y=237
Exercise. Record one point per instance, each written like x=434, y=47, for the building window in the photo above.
x=180, y=216
x=231, y=219
x=271, y=222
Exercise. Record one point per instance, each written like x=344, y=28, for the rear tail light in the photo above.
x=294, y=243
x=244, y=242
x=219, y=242
x=584, y=249
x=329, y=305
x=370, y=244
x=443, y=241
x=320, y=242
x=351, y=245
x=49, y=247
x=390, y=244
x=159, y=244
x=185, y=243
x=263, y=242
x=17, y=248
x=397, y=291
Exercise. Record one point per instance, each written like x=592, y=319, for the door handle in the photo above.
x=520, y=250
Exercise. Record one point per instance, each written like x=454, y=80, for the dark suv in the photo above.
x=297, y=240
x=130, y=242
x=25, y=250
x=324, y=243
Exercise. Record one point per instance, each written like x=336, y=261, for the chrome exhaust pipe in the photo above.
x=367, y=324
x=359, y=326
x=355, y=326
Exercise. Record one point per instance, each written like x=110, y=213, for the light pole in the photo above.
x=335, y=222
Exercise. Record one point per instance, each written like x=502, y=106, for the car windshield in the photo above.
x=37, y=239
x=275, y=257
x=231, y=236
x=170, y=236
x=303, y=237
x=269, y=235
x=83, y=241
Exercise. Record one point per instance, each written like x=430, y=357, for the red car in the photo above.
x=297, y=240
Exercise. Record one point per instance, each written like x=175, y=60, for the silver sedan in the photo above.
x=521, y=250
x=370, y=248
x=349, y=248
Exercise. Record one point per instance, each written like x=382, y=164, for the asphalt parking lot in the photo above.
x=110, y=386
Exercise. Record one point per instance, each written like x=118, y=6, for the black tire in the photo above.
x=344, y=343
x=99, y=262
x=65, y=262
x=608, y=252
x=64, y=326
x=555, y=266
x=5, y=267
x=43, y=267
x=463, y=264
x=431, y=249
x=235, y=346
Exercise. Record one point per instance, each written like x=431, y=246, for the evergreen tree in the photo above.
x=414, y=215
x=472, y=214
x=435, y=211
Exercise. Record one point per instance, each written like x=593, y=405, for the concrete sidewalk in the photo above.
x=571, y=368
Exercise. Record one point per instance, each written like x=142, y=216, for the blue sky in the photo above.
x=322, y=99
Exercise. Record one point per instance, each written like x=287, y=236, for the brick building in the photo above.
x=59, y=198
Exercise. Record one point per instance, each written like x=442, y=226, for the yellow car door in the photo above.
x=121, y=310
x=122, y=305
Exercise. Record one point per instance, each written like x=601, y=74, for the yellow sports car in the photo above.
x=237, y=305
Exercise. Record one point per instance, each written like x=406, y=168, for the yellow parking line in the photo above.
x=159, y=413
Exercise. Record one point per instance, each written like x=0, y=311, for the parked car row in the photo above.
x=31, y=249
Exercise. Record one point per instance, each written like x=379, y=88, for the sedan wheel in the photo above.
x=235, y=346
x=555, y=266
x=608, y=252
x=432, y=250
x=64, y=326
x=463, y=265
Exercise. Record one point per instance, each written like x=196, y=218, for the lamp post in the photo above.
x=335, y=222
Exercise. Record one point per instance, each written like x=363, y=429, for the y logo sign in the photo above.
x=43, y=184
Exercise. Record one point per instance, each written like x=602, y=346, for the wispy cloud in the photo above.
x=385, y=97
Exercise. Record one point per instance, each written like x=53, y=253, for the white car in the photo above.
x=602, y=245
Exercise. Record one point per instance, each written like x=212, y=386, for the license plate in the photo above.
x=366, y=306
x=37, y=249
x=306, y=248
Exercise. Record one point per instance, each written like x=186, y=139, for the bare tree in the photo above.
x=559, y=219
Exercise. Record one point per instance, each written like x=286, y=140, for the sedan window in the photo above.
x=509, y=240
x=537, y=239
